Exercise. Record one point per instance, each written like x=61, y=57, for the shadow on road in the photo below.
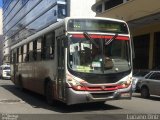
x=38, y=101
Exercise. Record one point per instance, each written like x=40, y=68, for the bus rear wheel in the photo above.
x=49, y=92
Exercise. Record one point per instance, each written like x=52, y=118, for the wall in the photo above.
x=151, y=30
x=133, y=9
x=81, y=8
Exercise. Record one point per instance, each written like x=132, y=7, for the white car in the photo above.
x=5, y=71
x=150, y=85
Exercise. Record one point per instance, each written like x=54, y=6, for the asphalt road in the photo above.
x=25, y=105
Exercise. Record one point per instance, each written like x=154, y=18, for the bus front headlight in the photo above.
x=124, y=84
x=75, y=84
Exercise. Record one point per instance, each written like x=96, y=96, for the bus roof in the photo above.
x=99, y=18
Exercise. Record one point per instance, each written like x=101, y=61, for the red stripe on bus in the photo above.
x=101, y=36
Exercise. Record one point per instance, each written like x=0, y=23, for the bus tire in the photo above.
x=49, y=92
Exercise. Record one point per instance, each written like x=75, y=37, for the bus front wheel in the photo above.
x=49, y=92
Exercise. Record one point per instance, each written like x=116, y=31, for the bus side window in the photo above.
x=49, y=46
x=39, y=47
x=20, y=54
x=17, y=56
x=11, y=57
x=52, y=47
x=43, y=47
x=14, y=56
x=24, y=53
x=27, y=53
x=31, y=51
x=35, y=50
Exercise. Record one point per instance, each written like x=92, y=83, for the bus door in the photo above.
x=61, y=67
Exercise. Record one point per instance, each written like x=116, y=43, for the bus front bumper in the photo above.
x=76, y=97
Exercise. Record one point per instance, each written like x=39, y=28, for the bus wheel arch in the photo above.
x=48, y=91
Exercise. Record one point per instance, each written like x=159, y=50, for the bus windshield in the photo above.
x=100, y=54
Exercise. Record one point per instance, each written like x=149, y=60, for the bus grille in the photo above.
x=102, y=95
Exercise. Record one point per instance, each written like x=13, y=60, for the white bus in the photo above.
x=76, y=60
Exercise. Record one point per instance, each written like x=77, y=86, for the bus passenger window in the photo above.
x=43, y=49
x=14, y=56
x=35, y=50
x=20, y=54
x=49, y=48
x=27, y=53
x=31, y=51
x=11, y=57
x=39, y=47
x=24, y=53
x=52, y=47
x=17, y=59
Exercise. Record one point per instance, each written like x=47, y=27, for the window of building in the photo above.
x=62, y=11
x=9, y=10
x=112, y=3
x=99, y=8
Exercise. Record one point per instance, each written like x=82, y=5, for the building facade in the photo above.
x=1, y=37
x=22, y=18
x=143, y=17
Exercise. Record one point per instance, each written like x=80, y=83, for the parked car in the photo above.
x=139, y=75
x=150, y=85
x=5, y=71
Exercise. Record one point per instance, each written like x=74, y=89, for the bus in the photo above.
x=76, y=60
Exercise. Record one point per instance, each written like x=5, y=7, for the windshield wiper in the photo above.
x=110, y=40
x=86, y=35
